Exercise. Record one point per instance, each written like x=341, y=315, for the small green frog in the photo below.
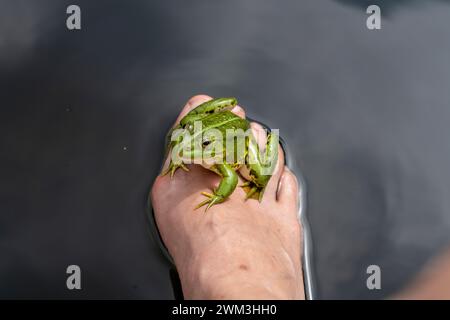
x=199, y=141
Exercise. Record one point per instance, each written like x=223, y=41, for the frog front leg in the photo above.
x=173, y=167
x=225, y=188
x=208, y=107
x=260, y=169
x=173, y=140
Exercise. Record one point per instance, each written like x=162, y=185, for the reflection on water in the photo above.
x=365, y=113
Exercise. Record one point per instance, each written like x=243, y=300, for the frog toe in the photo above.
x=167, y=171
x=173, y=168
x=253, y=191
x=212, y=200
x=182, y=166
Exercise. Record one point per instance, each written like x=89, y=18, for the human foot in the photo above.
x=238, y=249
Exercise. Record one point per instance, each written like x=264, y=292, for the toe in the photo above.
x=238, y=110
x=192, y=103
x=287, y=193
x=274, y=181
x=260, y=134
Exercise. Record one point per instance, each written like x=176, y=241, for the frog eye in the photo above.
x=188, y=126
x=206, y=143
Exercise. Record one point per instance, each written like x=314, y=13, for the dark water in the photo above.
x=83, y=115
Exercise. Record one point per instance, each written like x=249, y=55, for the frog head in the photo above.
x=199, y=144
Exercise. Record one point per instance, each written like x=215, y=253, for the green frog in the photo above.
x=198, y=139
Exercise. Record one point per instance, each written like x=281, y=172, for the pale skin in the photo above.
x=432, y=283
x=238, y=249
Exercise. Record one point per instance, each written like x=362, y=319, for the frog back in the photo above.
x=234, y=150
x=223, y=121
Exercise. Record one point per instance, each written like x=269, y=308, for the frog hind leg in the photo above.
x=224, y=190
x=252, y=190
x=261, y=169
x=208, y=107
